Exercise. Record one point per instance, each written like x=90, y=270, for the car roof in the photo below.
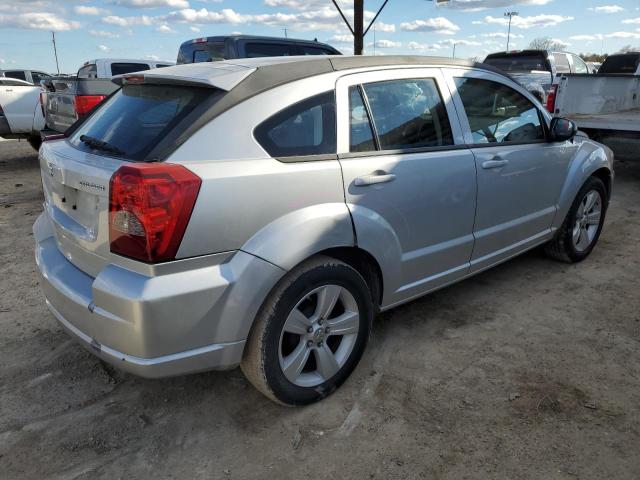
x=214, y=38
x=264, y=73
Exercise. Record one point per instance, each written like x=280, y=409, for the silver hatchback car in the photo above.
x=260, y=212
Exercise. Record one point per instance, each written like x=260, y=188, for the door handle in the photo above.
x=373, y=178
x=496, y=162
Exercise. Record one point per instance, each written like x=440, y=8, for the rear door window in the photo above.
x=408, y=114
x=201, y=52
x=620, y=64
x=37, y=76
x=136, y=118
x=497, y=113
x=15, y=74
x=88, y=71
x=269, y=50
x=361, y=138
x=561, y=62
x=305, y=128
x=519, y=62
x=308, y=50
x=122, y=68
x=578, y=65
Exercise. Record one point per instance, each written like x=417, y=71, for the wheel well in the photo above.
x=364, y=263
x=605, y=175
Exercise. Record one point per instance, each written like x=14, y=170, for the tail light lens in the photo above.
x=551, y=98
x=86, y=103
x=149, y=209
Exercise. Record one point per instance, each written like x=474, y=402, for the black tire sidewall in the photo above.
x=335, y=274
x=592, y=183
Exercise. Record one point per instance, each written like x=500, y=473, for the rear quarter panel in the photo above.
x=282, y=212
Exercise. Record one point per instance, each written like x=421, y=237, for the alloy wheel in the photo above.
x=587, y=220
x=318, y=335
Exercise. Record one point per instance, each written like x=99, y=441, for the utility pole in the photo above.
x=510, y=15
x=454, y=49
x=285, y=33
x=358, y=31
x=55, y=51
x=358, y=26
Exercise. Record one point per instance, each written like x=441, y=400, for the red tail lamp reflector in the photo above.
x=149, y=209
x=86, y=103
x=551, y=98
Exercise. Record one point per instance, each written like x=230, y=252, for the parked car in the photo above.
x=536, y=69
x=260, y=212
x=208, y=49
x=30, y=76
x=68, y=99
x=605, y=106
x=622, y=63
x=21, y=115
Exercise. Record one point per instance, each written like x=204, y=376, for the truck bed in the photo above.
x=626, y=121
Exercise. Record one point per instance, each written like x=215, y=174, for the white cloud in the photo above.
x=535, y=21
x=152, y=3
x=478, y=5
x=561, y=43
x=128, y=21
x=607, y=9
x=384, y=27
x=326, y=18
x=165, y=29
x=434, y=25
x=450, y=42
x=37, y=21
x=348, y=38
x=385, y=44
x=501, y=35
x=633, y=35
x=87, y=10
x=103, y=33
x=194, y=29
x=579, y=38
x=632, y=21
x=104, y=48
x=424, y=46
x=154, y=58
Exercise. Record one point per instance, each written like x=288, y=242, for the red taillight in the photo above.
x=149, y=208
x=551, y=98
x=86, y=103
x=134, y=79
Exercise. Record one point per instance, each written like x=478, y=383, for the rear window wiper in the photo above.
x=100, y=145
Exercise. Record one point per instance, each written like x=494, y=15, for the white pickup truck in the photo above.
x=606, y=106
x=21, y=114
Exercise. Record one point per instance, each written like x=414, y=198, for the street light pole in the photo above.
x=510, y=15
x=454, y=49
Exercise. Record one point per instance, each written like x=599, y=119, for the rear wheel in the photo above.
x=310, y=333
x=35, y=141
x=581, y=229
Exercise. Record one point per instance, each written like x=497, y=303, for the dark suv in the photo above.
x=210, y=49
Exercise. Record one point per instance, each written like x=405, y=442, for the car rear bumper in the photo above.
x=156, y=326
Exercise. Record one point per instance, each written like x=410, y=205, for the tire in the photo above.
x=281, y=339
x=35, y=141
x=563, y=247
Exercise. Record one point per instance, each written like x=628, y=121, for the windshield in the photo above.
x=136, y=118
x=519, y=63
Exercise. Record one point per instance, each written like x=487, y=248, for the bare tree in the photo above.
x=627, y=49
x=545, y=43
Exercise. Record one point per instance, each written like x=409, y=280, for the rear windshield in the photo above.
x=519, y=62
x=620, y=64
x=201, y=52
x=122, y=68
x=136, y=118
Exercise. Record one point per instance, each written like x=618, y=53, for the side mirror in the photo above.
x=562, y=129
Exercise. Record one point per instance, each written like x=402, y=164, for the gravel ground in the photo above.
x=528, y=371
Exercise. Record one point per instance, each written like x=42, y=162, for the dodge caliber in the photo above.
x=261, y=212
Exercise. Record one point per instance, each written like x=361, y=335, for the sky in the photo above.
x=154, y=29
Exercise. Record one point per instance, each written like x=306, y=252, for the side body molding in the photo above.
x=588, y=158
x=292, y=238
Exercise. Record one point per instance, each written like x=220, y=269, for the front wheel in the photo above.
x=310, y=334
x=581, y=229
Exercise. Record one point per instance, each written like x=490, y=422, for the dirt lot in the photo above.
x=531, y=370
